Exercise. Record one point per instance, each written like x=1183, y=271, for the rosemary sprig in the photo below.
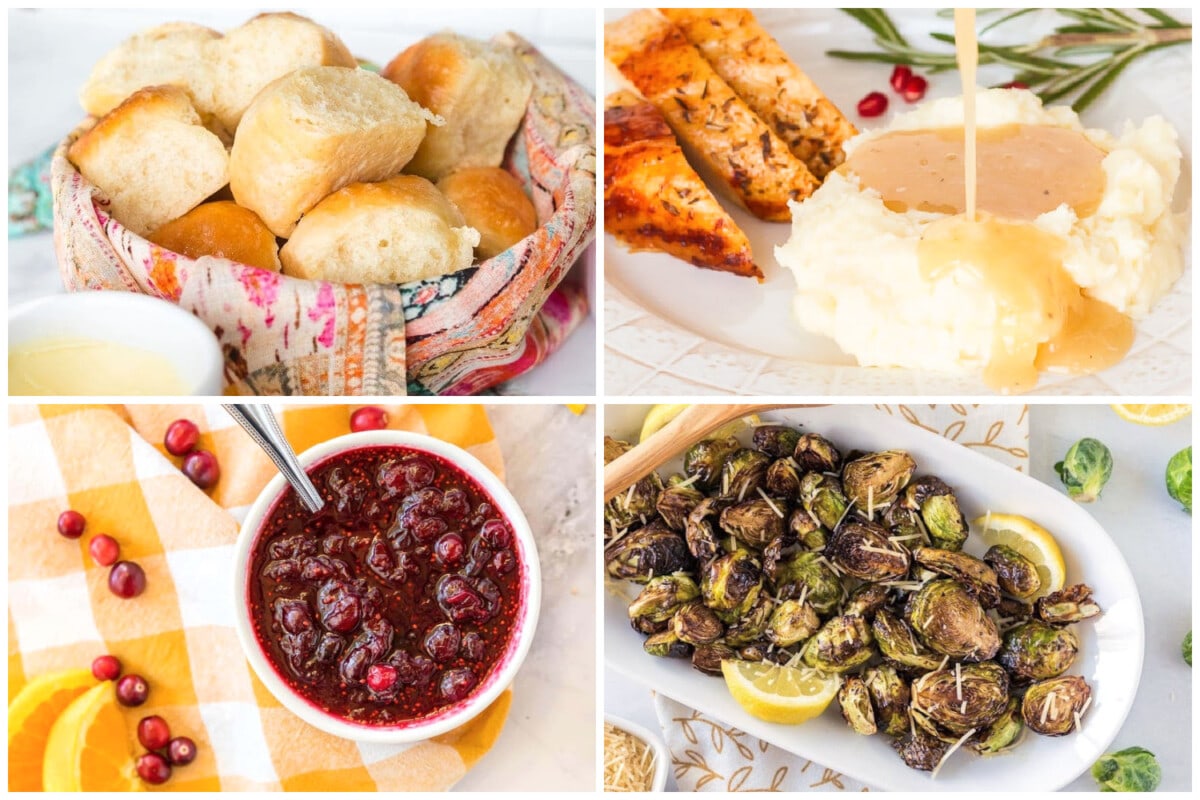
x=1054, y=66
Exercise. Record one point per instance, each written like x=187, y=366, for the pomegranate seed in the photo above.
x=126, y=579
x=181, y=751
x=104, y=549
x=181, y=437
x=71, y=524
x=153, y=732
x=368, y=418
x=202, y=468
x=873, y=105
x=153, y=768
x=106, y=668
x=1014, y=85
x=900, y=76
x=914, y=89
x=132, y=690
x=381, y=677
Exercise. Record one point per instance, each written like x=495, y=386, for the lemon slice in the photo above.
x=88, y=748
x=1030, y=540
x=658, y=416
x=30, y=717
x=1149, y=414
x=776, y=693
x=576, y=408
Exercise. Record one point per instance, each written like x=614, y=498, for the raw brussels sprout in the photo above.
x=855, y=701
x=652, y=550
x=898, y=643
x=949, y=702
x=666, y=645
x=822, y=498
x=920, y=750
x=752, y=625
x=755, y=522
x=1187, y=648
x=972, y=574
x=866, y=600
x=890, y=698
x=744, y=473
x=662, y=596
x=701, y=536
x=1179, y=478
x=841, y=644
x=708, y=657
x=706, y=459
x=1002, y=734
x=1134, y=769
x=1050, y=706
x=731, y=584
x=938, y=507
x=783, y=479
x=862, y=549
x=676, y=502
x=1018, y=576
x=1072, y=604
x=806, y=573
x=872, y=481
x=696, y=623
x=806, y=529
x=792, y=622
x=815, y=453
x=777, y=441
x=1085, y=469
x=1034, y=651
x=949, y=620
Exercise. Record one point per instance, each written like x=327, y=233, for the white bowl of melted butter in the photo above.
x=110, y=344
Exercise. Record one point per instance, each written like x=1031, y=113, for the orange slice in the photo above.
x=31, y=715
x=88, y=749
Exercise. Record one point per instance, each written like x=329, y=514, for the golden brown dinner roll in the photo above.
x=479, y=88
x=222, y=229
x=492, y=202
x=316, y=130
x=398, y=230
x=152, y=158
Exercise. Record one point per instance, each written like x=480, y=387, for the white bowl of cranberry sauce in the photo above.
x=405, y=606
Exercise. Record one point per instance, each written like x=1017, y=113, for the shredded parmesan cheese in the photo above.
x=962, y=707
x=688, y=482
x=774, y=507
x=950, y=752
x=870, y=502
x=628, y=497
x=1046, y=706
x=628, y=762
x=958, y=682
x=742, y=493
x=870, y=548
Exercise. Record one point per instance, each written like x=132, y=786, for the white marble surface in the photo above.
x=1155, y=537
x=51, y=52
x=549, y=740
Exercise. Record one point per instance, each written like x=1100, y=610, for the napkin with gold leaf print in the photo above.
x=712, y=756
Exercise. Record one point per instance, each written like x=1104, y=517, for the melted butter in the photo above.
x=72, y=366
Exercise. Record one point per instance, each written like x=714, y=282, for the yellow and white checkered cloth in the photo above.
x=109, y=464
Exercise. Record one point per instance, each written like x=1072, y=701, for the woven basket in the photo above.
x=458, y=334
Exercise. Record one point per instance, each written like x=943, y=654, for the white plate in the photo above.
x=671, y=328
x=1111, y=647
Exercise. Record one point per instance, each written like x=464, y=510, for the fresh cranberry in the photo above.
x=449, y=549
x=495, y=533
x=181, y=437
x=71, y=524
x=900, y=76
x=381, y=677
x=472, y=646
x=104, y=549
x=153, y=732
x=914, y=89
x=202, y=468
x=442, y=642
x=153, y=768
x=368, y=418
x=126, y=579
x=1014, y=85
x=132, y=690
x=873, y=105
x=503, y=562
x=181, y=751
x=457, y=683
x=106, y=668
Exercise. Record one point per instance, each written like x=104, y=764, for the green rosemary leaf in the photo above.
x=878, y=22
x=1094, y=91
x=1162, y=17
x=1005, y=19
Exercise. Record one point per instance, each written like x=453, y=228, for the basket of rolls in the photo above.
x=342, y=231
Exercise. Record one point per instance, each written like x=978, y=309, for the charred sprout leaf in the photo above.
x=890, y=698
x=950, y=621
x=1050, y=707
x=662, y=596
x=841, y=644
x=752, y=626
x=666, y=645
x=822, y=498
x=635, y=506
x=805, y=573
x=1187, y=648
x=807, y=530
x=705, y=460
x=949, y=702
x=708, y=657
x=855, y=701
x=776, y=441
x=899, y=644
x=1085, y=469
x=731, y=584
x=815, y=453
x=1179, y=478
x=938, y=507
x=972, y=574
x=676, y=502
x=1018, y=576
x=753, y=652
x=1002, y=734
x=1134, y=769
x=700, y=529
x=1072, y=604
x=866, y=600
x=744, y=473
x=614, y=449
x=696, y=623
x=920, y=750
x=755, y=522
x=873, y=481
x=783, y=479
x=862, y=549
x=1034, y=651
x=792, y=622
x=1014, y=610
x=652, y=550
x=648, y=626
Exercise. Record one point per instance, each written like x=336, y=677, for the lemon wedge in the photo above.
x=88, y=748
x=658, y=416
x=778, y=693
x=1030, y=540
x=1151, y=414
x=30, y=717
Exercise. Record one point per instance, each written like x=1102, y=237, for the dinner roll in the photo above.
x=398, y=230
x=492, y=202
x=222, y=229
x=316, y=130
x=479, y=88
x=152, y=158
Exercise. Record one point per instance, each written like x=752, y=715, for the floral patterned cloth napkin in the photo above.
x=712, y=756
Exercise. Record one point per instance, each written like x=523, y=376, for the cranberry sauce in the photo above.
x=395, y=600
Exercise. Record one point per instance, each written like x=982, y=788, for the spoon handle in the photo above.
x=260, y=422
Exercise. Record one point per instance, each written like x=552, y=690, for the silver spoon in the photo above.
x=260, y=422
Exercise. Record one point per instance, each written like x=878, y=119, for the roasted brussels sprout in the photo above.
x=648, y=626
x=815, y=453
x=949, y=620
x=662, y=596
x=696, y=623
x=898, y=643
x=1134, y=769
x=1018, y=576
x=903, y=524
x=872, y=481
x=700, y=531
x=972, y=574
x=731, y=584
x=783, y=479
x=1085, y=469
x=652, y=550
x=938, y=507
x=614, y=449
x=676, y=502
x=777, y=441
x=842, y=643
x=949, y=702
x=806, y=529
x=666, y=645
x=755, y=522
x=890, y=698
x=752, y=625
x=806, y=573
x=636, y=506
x=708, y=657
x=862, y=549
x=920, y=750
x=705, y=460
x=855, y=701
x=866, y=600
x=792, y=622
x=1034, y=651
x=1072, y=604
x=1002, y=734
x=823, y=499
x=744, y=473
x=1050, y=707
x=753, y=652
x=1179, y=478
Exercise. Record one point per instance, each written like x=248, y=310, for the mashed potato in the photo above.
x=855, y=261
